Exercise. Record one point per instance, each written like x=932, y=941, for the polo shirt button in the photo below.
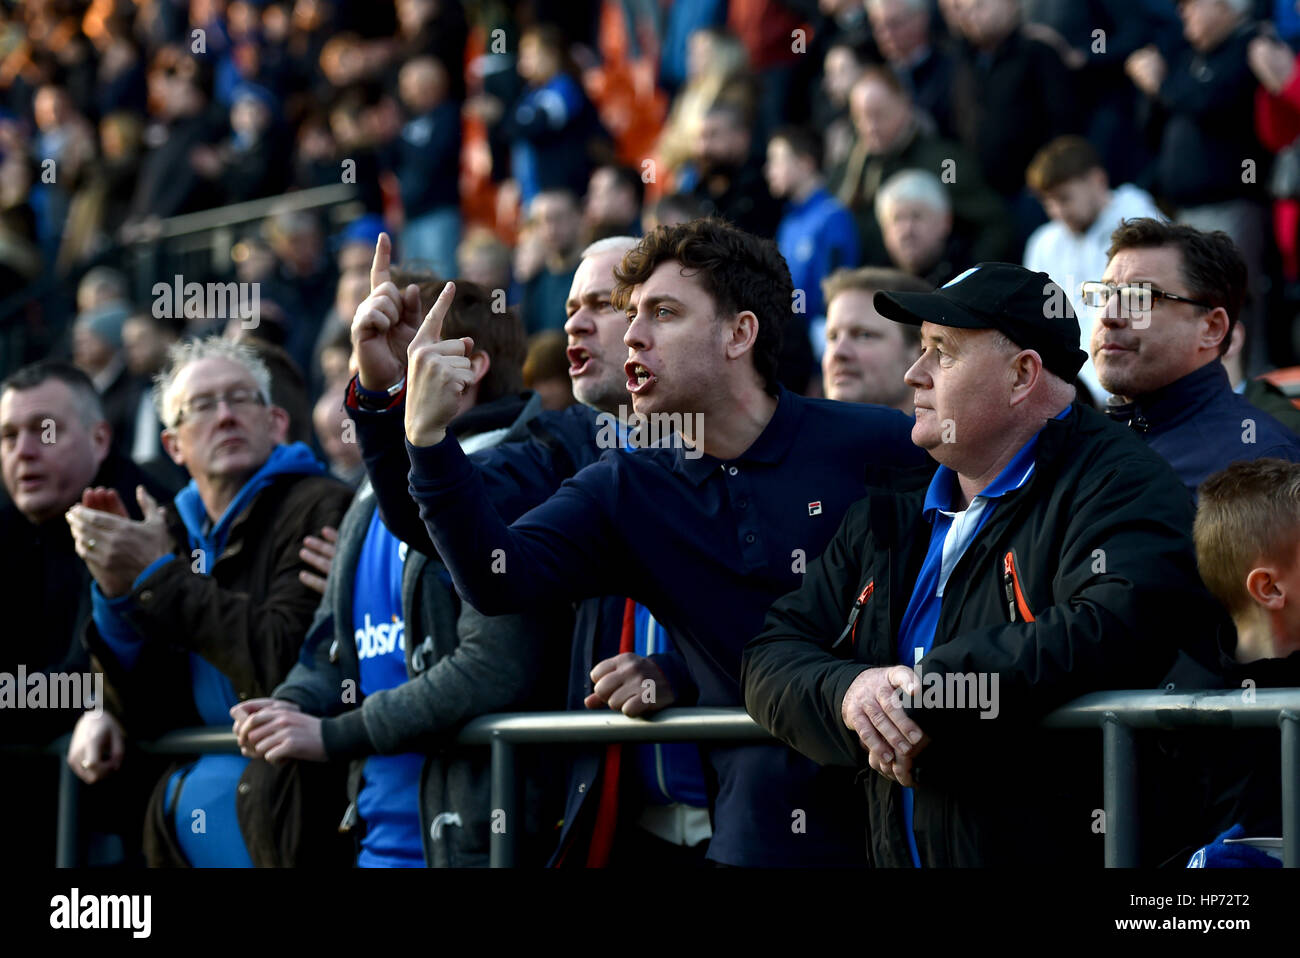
x=750, y=537
x=146, y=595
x=582, y=786
x=732, y=470
x=743, y=503
x=245, y=788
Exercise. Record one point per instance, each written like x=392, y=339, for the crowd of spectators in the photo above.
x=831, y=169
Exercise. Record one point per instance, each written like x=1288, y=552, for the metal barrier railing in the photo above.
x=199, y=244
x=1119, y=715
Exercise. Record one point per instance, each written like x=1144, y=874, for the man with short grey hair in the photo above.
x=200, y=605
x=1050, y=556
x=915, y=216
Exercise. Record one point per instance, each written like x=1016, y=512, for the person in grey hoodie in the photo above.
x=395, y=663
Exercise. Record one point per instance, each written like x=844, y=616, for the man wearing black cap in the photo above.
x=1049, y=557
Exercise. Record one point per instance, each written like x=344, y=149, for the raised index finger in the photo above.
x=430, y=330
x=380, y=264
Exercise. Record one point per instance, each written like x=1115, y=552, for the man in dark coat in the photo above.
x=1049, y=557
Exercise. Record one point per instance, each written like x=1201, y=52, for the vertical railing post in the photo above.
x=1119, y=774
x=68, y=839
x=506, y=824
x=1290, y=722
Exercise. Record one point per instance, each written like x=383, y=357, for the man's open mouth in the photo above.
x=579, y=359
x=639, y=377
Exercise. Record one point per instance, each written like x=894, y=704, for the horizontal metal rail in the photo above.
x=222, y=217
x=1118, y=715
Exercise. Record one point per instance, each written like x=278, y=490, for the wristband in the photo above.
x=370, y=398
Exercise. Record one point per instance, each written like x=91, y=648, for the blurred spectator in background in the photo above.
x=302, y=264
x=63, y=147
x=816, y=234
x=1165, y=308
x=1093, y=39
x=314, y=157
x=614, y=198
x=891, y=137
x=146, y=339
x=103, y=195
x=1277, y=123
x=428, y=166
x=179, y=92
x=1011, y=94
x=901, y=29
x=726, y=182
x=770, y=30
x=354, y=246
x=249, y=164
x=353, y=286
x=684, y=21
x=334, y=434
x=717, y=72
x=1200, y=104
x=180, y=648
x=865, y=355
x=97, y=351
x=553, y=128
x=435, y=28
x=842, y=67
x=546, y=369
x=915, y=217
x=54, y=443
x=1259, y=392
x=672, y=210
x=547, y=257
x=482, y=258
x=356, y=156
x=1070, y=182
x=334, y=359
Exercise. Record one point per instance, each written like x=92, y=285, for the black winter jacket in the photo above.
x=1082, y=579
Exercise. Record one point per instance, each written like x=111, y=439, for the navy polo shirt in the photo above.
x=951, y=533
x=707, y=545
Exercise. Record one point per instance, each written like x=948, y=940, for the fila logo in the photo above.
x=815, y=508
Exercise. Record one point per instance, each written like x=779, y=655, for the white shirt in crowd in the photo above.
x=1074, y=258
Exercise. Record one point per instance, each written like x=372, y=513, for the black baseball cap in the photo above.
x=1027, y=307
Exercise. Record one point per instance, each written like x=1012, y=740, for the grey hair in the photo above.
x=916, y=186
x=610, y=244
x=187, y=352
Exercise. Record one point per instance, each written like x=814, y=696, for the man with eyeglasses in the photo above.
x=200, y=606
x=1165, y=309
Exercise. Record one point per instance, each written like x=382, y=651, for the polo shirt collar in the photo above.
x=942, y=492
x=771, y=445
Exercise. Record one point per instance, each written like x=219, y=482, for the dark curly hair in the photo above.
x=739, y=270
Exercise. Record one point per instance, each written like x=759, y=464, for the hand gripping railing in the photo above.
x=1118, y=714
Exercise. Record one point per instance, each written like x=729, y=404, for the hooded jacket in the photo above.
x=460, y=664
x=1084, y=578
x=223, y=614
